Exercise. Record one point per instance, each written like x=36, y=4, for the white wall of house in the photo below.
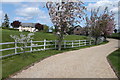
x=27, y=29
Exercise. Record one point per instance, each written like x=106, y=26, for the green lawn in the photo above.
x=13, y=64
x=115, y=62
x=37, y=37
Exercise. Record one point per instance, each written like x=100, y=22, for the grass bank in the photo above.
x=114, y=60
x=19, y=62
x=13, y=64
x=37, y=36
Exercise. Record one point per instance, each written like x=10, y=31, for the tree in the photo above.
x=24, y=41
x=107, y=23
x=100, y=25
x=64, y=14
x=6, y=21
x=93, y=22
x=39, y=26
x=15, y=24
x=52, y=29
x=46, y=28
x=85, y=31
x=115, y=30
x=70, y=31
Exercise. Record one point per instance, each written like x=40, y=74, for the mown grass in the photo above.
x=37, y=37
x=13, y=64
x=114, y=59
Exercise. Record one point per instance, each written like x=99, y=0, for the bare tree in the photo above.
x=63, y=15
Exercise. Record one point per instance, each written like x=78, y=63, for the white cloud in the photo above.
x=47, y=0
x=111, y=4
x=29, y=0
x=22, y=18
x=115, y=9
x=1, y=16
x=29, y=12
x=26, y=12
x=12, y=0
x=1, y=13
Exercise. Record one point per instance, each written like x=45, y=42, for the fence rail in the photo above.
x=45, y=45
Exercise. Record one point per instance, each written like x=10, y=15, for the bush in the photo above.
x=9, y=28
x=115, y=36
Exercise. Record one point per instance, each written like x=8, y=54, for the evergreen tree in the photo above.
x=6, y=21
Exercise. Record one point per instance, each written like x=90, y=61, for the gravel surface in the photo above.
x=84, y=63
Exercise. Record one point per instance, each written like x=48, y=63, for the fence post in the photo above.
x=15, y=47
x=79, y=42
x=85, y=42
x=90, y=42
x=64, y=43
x=55, y=44
x=31, y=46
x=72, y=44
x=44, y=43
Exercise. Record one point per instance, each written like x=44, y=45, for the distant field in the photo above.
x=37, y=37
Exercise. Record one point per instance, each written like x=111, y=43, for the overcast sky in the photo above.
x=33, y=12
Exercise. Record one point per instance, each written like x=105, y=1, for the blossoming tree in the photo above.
x=107, y=23
x=63, y=15
x=23, y=40
x=100, y=25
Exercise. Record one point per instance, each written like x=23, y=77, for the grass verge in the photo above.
x=114, y=61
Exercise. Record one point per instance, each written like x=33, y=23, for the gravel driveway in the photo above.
x=84, y=63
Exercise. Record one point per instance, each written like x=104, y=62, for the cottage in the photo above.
x=77, y=30
x=28, y=27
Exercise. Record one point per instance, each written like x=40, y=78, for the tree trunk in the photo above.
x=96, y=39
x=60, y=39
x=59, y=45
x=105, y=38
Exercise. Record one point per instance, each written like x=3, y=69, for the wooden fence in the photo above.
x=45, y=45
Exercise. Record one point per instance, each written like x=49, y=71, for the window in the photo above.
x=77, y=29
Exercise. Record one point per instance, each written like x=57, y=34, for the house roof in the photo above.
x=28, y=24
x=78, y=26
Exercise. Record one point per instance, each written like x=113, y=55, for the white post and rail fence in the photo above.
x=44, y=45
